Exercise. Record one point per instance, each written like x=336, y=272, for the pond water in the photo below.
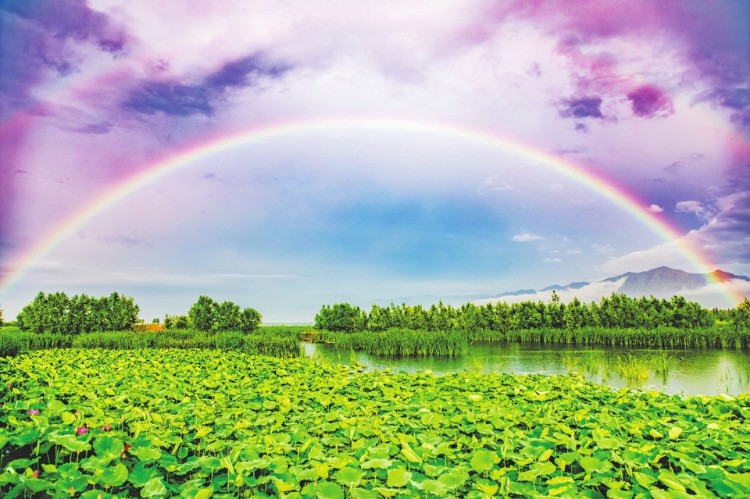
x=685, y=372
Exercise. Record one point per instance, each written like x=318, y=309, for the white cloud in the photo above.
x=525, y=237
x=694, y=207
x=592, y=292
x=552, y=260
x=655, y=208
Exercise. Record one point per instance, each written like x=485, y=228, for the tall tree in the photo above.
x=250, y=320
x=226, y=317
x=201, y=314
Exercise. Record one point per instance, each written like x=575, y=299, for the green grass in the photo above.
x=402, y=343
x=274, y=341
x=200, y=423
x=634, y=369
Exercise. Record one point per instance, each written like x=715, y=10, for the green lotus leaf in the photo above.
x=146, y=453
x=360, y=493
x=483, y=460
x=453, y=479
x=671, y=481
x=108, y=447
x=432, y=470
x=304, y=474
x=204, y=493
x=398, y=477
x=594, y=465
x=113, y=475
x=434, y=487
x=329, y=490
x=70, y=442
x=348, y=476
x=544, y=468
x=154, y=488
x=140, y=474
x=377, y=463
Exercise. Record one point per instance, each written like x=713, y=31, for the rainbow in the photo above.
x=204, y=149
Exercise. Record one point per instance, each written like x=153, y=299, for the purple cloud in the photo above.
x=649, y=101
x=243, y=72
x=170, y=98
x=35, y=36
x=582, y=107
x=178, y=99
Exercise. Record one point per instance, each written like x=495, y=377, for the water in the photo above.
x=689, y=372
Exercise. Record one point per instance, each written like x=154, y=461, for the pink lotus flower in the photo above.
x=36, y=474
x=34, y=412
x=82, y=430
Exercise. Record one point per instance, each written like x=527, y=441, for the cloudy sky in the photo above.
x=434, y=150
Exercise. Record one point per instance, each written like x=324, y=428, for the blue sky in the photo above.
x=653, y=97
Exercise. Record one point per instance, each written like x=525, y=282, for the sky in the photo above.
x=287, y=155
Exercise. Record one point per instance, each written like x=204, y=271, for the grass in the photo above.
x=634, y=369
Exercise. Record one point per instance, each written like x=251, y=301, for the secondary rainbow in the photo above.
x=201, y=150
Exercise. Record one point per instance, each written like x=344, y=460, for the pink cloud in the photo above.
x=649, y=101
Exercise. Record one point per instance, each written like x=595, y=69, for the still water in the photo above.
x=685, y=372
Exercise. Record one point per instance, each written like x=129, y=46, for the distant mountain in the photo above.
x=661, y=282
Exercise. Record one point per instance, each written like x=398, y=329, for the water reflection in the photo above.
x=686, y=372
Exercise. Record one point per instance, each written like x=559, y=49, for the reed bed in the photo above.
x=654, y=338
x=398, y=342
x=274, y=343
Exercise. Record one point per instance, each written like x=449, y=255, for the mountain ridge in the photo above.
x=657, y=281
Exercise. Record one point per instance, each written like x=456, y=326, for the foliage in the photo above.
x=203, y=313
x=341, y=317
x=198, y=423
x=274, y=343
x=399, y=342
x=208, y=315
x=176, y=321
x=56, y=313
x=615, y=311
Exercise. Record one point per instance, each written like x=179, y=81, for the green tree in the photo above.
x=226, y=317
x=378, y=319
x=176, y=321
x=741, y=316
x=573, y=315
x=202, y=313
x=341, y=317
x=250, y=320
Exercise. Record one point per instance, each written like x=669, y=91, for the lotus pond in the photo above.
x=200, y=423
x=683, y=372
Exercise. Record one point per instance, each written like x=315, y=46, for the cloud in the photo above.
x=655, y=208
x=130, y=241
x=582, y=107
x=170, y=98
x=496, y=183
x=649, y=101
x=525, y=237
x=174, y=98
x=49, y=35
x=244, y=72
x=552, y=260
x=694, y=207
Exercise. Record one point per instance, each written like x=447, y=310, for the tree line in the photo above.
x=57, y=313
x=206, y=314
x=615, y=311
